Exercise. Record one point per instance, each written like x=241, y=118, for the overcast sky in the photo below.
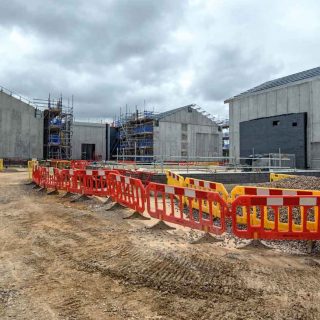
x=168, y=53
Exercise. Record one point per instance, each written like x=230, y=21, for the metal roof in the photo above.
x=170, y=112
x=315, y=72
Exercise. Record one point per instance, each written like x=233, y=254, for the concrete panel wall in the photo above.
x=176, y=136
x=88, y=133
x=299, y=97
x=21, y=129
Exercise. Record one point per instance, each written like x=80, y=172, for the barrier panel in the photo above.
x=31, y=164
x=52, y=178
x=1, y=164
x=95, y=182
x=36, y=174
x=174, y=179
x=292, y=217
x=261, y=191
x=280, y=176
x=79, y=164
x=127, y=191
x=76, y=181
x=167, y=203
x=206, y=186
x=65, y=179
x=144, y=176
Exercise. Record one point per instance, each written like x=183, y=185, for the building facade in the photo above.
x=186, y=133
x=282, y=116
x=88, y=141
x=21, y=128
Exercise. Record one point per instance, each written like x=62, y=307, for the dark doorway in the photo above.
x=88, y=151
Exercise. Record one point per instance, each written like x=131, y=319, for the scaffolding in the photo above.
x=58, y=119
x=135, y=133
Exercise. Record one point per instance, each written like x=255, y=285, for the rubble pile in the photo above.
x=301, y=182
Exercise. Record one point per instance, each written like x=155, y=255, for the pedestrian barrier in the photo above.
x=95, y=182
x=206, y=186
x=261, y=191
x=31, y=164
x=76, y=181
x=293, y=217
x=1, y=164
x=280, y=176
x=79, y=164
x=144, y=176
x=127, y=191
x=174, y=179
x=167, y=203
x=262, y=213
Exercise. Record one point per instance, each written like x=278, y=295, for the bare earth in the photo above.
x=62, y=260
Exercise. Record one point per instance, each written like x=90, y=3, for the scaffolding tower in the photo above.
x=58, y=119
x=135, y=135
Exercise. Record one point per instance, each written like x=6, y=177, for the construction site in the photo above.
x=169, y=227
x=159, y=160
x=70, y=253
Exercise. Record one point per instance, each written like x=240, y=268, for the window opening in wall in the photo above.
x=294, y=124
x=184, y=126
x=275, y=123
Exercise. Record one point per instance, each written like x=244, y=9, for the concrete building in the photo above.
x=283, y=114
x=185, y=133
x=88, y=141
x=21, y=127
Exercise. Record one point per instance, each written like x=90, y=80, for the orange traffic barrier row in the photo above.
x=253, y=216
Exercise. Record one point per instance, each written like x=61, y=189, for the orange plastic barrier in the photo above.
x=273, y=217
x=144, y=176
x=76, y=181
x=95, y=182
x=79, y=164
x=167, y=203
x=127, y=191
x=298, y=217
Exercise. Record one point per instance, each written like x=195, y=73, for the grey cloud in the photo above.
x=110, y=53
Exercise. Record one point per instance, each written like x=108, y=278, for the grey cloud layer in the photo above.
x=169, y=53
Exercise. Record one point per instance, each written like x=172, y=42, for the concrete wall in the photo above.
x=88, y=133
x=303, y=96
x=186, y=134
x=21, y=129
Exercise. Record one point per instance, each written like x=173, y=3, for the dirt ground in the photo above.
x=63, y=260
